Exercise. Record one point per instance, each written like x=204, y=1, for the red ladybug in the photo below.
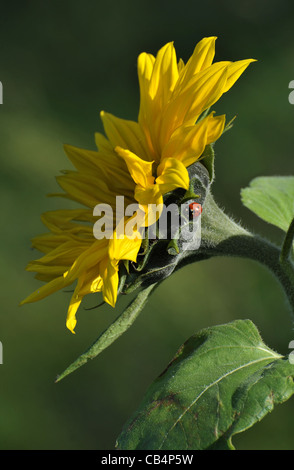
x=195, y=208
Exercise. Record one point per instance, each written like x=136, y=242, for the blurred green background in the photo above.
x=60, y=64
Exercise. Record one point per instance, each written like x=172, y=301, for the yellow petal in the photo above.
x=82, y=159
x=165, y=74
x=71, y=313
x=52, y=271
x=124, y=248
x=173, y=175
x=63, y=221
x=140, y=170
x=201, y=92
x=47, y=289
x=201, y=58
x=150, y=202
x=65, y=254
x=48, y=241
x=145, y=69
x=186, y=144
x=124, y=133
x=215, y=127
x=103, y=144
x=45, y=277
x=205, y=89
x=148, y=195
x=145, y=65
x=153, y=212
x=88, y=189
x=181, y=66
x=74, y=304
x=88, y=282
x=235, y=70
x=157, y=80
x=110, y=282
x=89, y=258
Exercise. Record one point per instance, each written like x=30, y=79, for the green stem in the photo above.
x=260, y=250
x=223, y=237
x=287, y=247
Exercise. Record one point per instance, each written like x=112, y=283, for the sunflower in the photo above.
x=141, y=161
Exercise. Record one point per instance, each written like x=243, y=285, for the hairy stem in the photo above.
x=221, y=236
x=287, y=247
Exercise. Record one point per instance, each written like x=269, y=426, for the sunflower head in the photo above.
x=166, y=156
x=158, y=258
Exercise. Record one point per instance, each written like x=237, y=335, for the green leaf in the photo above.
x=221, y=382
x=272, y=199
x=113, y=332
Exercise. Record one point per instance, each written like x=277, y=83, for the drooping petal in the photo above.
x=124, y=248
x=46, y=277
x=51, y=271
x=74, y=304
x=110, y=282
x=88, y=283
x=89, y=258
x=173, y=175
x=140, y=170
x=63, y=255
x=150, y=202
x=44, y=291
x=148, y=195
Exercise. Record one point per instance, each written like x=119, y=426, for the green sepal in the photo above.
x=207, y=160
x=173, y=248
